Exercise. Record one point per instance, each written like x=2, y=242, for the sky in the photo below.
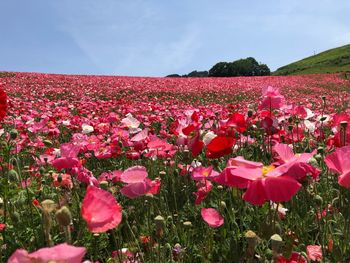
x=161, y=37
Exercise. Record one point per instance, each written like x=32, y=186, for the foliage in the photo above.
x=241, y=67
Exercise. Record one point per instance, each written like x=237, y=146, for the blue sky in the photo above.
x=160, y=37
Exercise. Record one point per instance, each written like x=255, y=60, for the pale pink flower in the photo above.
x=59, y=253
x=212, y=217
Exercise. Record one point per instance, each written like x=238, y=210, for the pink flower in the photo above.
x=136, y=189
x=59, y=253
x=339, y=162
x=314, y=252
x=137, y=182
x=212, y=217
x=203, y=189
x=262, y=182
x=134, y=174
x=201, y=172
x=298, y=167
x=100, y=210
x=68, y=157
x=272, y=98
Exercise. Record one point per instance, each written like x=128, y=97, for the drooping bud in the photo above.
x=63, y=216
x=160, y=223
x=276, y=243
x=252, y=240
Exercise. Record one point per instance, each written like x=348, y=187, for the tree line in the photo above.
x=242, y=67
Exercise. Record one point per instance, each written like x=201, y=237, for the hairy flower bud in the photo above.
x=63, y=216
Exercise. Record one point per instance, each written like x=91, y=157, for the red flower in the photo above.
x=36, y=203
x=220, y=146
x=2, y=227
x=237, y=121
x=294, y=258
x=3, y=103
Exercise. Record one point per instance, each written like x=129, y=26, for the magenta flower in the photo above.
x=100, y=210
x=339, y=162
x=59, y=253
x=212, y=217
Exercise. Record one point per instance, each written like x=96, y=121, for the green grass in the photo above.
x=329, y=61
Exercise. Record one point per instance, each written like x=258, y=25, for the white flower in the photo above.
x=309, y=125
x=87, y=128
x=208, y=137
x=66, y=123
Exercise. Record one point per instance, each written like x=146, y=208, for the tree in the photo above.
x=198, y=74
x=242, y=67
x=221, y=69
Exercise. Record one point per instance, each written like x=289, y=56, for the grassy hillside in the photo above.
x=330, y=61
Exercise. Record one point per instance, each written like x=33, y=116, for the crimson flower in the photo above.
x=3, y=103
x=220, y=146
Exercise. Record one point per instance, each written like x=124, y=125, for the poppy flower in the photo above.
x=237, y=121
x=68, y=157
x=339, y=162
x=220, y=146
x=294, y=258
x=204, y=187
x=272, y=99
x=59, y=253
x=200, y=173
x=314, y=252
x=3, y=104
x=212, y=217
x=262, y=182
x=137, y=182
x=100, y=210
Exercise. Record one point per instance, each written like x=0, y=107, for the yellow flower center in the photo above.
x=206, y=173
x=267, y=169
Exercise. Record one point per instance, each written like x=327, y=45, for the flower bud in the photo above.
x=252, y=240
x=63, y=216
x=13, y=134
x=187, y=224
x=104, y=185
x=47, y=143
x=48, y=205
x=276, y=243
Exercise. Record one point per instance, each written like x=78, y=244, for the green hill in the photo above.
x=330, y=61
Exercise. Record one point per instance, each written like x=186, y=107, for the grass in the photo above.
x=329, y=61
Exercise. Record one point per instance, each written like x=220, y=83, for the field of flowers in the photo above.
x=132, y=169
